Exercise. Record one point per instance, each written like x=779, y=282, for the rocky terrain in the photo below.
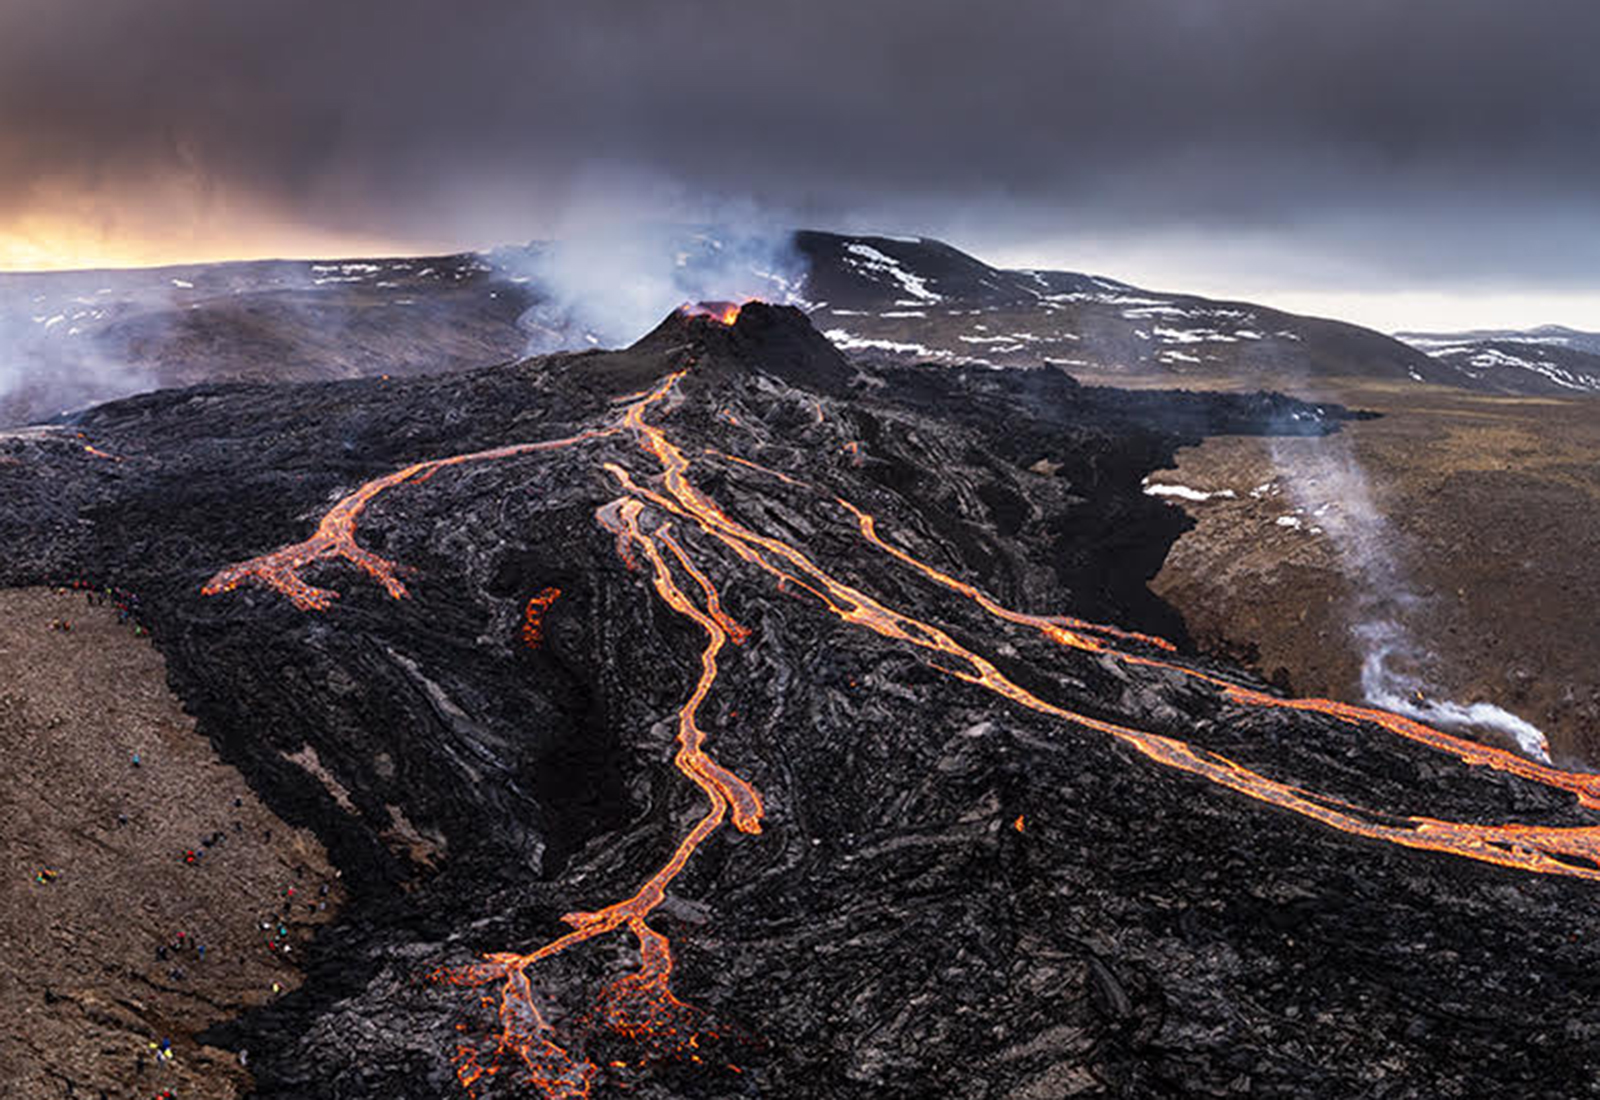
x=723, y=717
x=147, y=894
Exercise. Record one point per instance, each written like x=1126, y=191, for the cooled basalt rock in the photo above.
x=950, y=893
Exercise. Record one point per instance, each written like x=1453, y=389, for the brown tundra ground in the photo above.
x=1490, y=513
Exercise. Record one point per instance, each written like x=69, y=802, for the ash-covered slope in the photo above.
x=764, y=678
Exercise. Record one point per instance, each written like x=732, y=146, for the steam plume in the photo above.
x=49, y=360
x=1329, y=483
x=606, y=288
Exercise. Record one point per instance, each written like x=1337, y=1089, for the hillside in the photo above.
x=1550, y=359
x=148, y=893
x=923, y=300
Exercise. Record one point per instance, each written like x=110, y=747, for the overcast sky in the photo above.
x=1406, y=163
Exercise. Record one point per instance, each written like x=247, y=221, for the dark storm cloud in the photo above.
x=1416, y=128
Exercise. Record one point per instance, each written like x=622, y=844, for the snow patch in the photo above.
x=1183, y=492
x=846, y=341
x=875, y=263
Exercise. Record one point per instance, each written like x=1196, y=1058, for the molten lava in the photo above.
x=724, y=313
x=335, y=536
x=533, y=616
x=640, y=1006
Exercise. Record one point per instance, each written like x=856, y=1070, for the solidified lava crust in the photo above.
x=996, y=832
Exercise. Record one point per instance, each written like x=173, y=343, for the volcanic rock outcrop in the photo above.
x=715, y=718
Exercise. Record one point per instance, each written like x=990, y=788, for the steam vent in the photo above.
x=718, y=717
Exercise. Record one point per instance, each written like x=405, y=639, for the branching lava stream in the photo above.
x=640, y=1007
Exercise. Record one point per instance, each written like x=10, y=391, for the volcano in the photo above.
x=780, y=725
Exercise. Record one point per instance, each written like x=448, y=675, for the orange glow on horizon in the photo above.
x=177, y=225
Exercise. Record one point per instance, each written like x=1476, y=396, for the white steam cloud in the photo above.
x=607, y=288
x=50, y=361
x=1387, y=645
x=1327, y=481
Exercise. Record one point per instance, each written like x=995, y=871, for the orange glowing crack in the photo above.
x=745, y=462
x=640, y=1006
x=533, y=616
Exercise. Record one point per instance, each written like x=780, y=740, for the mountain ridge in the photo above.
x=72, y=338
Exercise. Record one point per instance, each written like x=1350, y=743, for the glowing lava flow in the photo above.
x=640, y=1005
x=724, y=313
x=335, y=537
x=1573, y=851
x=1585, y=786
x=1069, y=632
x=1059, y=628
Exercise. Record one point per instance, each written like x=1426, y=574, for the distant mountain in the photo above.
x=1547, y=359
x=1543, y=336
x=71, y=339
x=921, y=298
